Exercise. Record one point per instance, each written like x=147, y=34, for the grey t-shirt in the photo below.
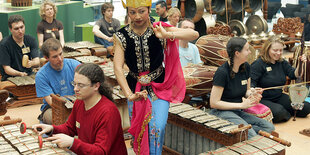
x=108, y=28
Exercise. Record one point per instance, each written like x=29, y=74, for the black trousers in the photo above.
x=282, y=110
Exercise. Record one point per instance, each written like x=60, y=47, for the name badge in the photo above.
x=110, y=28
x=48, y=31
x=77, y=124
x=268, y=69
x=25, y=50
x=244, y=82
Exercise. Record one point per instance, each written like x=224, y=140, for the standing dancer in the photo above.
x=150, y=85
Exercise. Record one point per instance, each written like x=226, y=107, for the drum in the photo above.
x=198, y=80
x=199, y=77
x=212, y=49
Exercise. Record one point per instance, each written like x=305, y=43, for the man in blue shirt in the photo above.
x=54, y=77
x=189, y=53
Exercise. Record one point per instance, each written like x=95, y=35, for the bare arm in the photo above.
x=175, y=33
x=10, y=71
x=40, y=39
x=118, y=68
x=217, y=103
x=118, y=61
x=1, y=37
x=61, y=37
x=98, y=33
x=34, y=62
x=48, y=99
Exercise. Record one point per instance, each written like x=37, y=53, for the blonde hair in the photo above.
x=43, y=6
x=264, y=54
x=172, y=11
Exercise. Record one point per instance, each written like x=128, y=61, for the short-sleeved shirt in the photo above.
x=11, y=54
x=269, y=75
x=234, y=88
x=50, y=81
x=50, y=30
x=189, y=55
x=108, y=28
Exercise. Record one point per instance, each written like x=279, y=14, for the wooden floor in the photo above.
x=288, y=130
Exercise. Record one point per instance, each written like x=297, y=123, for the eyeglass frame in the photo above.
x=79, y=85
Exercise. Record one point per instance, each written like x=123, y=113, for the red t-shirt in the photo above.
x=99, y=129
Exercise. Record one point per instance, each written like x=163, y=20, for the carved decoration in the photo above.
x=219, y=29
x=288, y=26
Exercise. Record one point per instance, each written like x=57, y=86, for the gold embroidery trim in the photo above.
x=145, y=122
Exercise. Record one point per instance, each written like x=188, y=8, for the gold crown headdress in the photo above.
x=137, y=3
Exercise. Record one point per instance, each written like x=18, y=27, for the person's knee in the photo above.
x=47, y=116
x=280, y=114
x=305, y=111
x=251, y=133
x=269, y=127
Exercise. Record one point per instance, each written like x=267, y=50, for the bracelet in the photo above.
x=130, y=96
x=173, y=37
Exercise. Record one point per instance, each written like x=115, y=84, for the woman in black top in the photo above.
x=49, y=27
x=271, y=70
x=231, y=89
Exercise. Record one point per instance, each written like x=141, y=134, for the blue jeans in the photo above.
x=241, y=117
x=103, y=42
x=157, y=124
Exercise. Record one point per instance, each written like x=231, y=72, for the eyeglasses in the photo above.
x=79, y=85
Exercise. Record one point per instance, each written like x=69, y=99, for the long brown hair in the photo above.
x=234, y=44
x=264, y=54
x=95, y=74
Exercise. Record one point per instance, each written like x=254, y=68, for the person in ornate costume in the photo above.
x=150, y=85
x=231, y=91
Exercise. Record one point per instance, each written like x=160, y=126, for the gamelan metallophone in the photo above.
x=90, y=59
x=258, y=145
x=13, y=142
x=108, y=69
x=23, y=90
x=192, y=131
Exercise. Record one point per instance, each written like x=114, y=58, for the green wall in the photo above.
x=69, y=13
